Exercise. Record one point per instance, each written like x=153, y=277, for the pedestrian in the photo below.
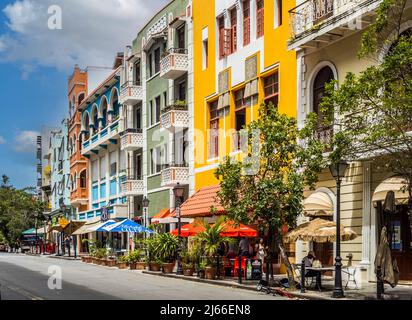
x=309, y=262
x=244, y=247
x=260, y=250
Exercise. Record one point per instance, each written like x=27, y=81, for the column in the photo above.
x=366, y=217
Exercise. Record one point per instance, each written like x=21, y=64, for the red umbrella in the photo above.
x=189, y=230
x=241, y=230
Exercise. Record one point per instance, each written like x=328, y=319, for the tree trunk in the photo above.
x=289, y=269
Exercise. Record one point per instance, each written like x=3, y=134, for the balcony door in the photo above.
x=138, y=166
x=138, y=118
x=181, y=41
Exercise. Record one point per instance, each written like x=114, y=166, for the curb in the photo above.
x=236, y=285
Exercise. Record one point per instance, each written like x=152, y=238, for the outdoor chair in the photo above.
x=351, y=272
x=309, y=281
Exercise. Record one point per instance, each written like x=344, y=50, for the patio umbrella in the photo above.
x=127, y=226
x=231, y=231
x=100, y=226
x=189, y=230
x=320, y=231
x=383, y=259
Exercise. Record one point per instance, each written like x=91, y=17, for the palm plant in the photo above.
x=167, y=246
x=211, y=238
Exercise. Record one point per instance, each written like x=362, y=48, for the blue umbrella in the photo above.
x=101, y=226
x=127, y=226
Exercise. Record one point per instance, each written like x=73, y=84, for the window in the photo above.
x=221, y=28
x=158, y=109
x=156, y=160
x=113, y=163
x=181, y=37
x=324, y=76
x=165, y=99
x=233, y=27
x=137, y=78
x=240, y=123
x=271, y=89
x=239, y=100
x=181, y=91
x=205, y=53
x=278, y=13
x=157, y=60
x=214, y=130
x=260, y=19
x=246, y=22
x=83, y=179
x=151, y=111
x=150, y=64
x=103, y=167
x=95, y=172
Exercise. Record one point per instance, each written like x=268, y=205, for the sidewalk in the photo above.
x=52, y=256
x=367, y=292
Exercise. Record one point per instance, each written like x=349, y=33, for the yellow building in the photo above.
x=240, y=60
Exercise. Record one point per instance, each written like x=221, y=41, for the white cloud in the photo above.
x=25, y=142
x=2, y=140
x=92, y=31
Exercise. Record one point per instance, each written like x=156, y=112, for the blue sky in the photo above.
x=35, y=63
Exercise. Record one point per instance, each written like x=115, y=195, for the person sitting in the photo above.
x=309, y=262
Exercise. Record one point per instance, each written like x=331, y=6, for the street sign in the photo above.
x=105, y=215
x=63, y=223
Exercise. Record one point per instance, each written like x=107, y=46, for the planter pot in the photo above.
x=188, y=271
x=210, y=273
x=168, y=267
x=132, y=265
x=104, y=262
x=84, y=259
x=111, y=263
x=95, y=260
x=141, y=265
x=122, y=265
x=88, y=259
x=201, y=274
x=154, y=266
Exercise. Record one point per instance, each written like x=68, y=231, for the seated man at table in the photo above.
x=309, y=263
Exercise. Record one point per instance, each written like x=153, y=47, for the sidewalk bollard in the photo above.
x=302, y=277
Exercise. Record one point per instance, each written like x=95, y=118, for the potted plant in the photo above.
x=133, y=259
x=211, y=240
x=201, y=270
x=156, y=265
x=152, y=255
x=167, y=246
x=187, y=263
x=111, y=262
x=122, y=262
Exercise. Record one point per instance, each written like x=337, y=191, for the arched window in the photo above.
x=104, y=108
x=324, y=76
x=83, y=181
x=95, y=117
x=80, y=99
x=74, y=145
x=114, y=101
x=86, y=126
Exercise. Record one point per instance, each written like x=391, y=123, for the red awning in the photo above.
x=165, y=213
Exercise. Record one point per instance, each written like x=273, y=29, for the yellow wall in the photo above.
x=276, y=57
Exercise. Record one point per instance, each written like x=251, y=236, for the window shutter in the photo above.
x=234, y=39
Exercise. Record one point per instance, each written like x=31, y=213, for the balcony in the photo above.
x=115, y=211
x=319, y=22
x=132, y=186
x=131, y=93
x=100, y=140
x=174, y=64
x=173, y=174
x=175, y=116
x=131, y=139
x=79, y=197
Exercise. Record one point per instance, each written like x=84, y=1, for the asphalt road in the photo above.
x=28, y=278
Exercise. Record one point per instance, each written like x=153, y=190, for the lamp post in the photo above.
x=35, y=224
x=145, y=204
x=338, y=172
x=178, y=191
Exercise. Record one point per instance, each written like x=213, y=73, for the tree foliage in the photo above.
x=373, y=109
x=289, y=161
x=18, y=209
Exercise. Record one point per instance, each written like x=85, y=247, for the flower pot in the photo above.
x=132, y=265
x=154, y=266
x=104, y=262
x=88, y=259
x=210, y=273
x=168, y=267
x=84, y=259
x=141, y=265
x=201, y=274
x=188, y=271
x=95, y=261
x=122, y=265
x=111, y=263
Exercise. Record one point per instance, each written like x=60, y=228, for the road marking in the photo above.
x=23, y=292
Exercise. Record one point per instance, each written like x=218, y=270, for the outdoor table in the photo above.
x=321, y=270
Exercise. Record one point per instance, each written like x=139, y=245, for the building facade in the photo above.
x=328, y=52
x=156, y=93
x=240, y=61
x=79, y=187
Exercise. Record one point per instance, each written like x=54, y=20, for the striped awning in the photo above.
x=396, y=184
x=318, y=204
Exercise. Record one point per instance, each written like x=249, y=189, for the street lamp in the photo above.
x=178, y=191
x=145, y=204
x=338, y=172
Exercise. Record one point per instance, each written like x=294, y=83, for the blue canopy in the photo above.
x=127, y=226
x=101, y=226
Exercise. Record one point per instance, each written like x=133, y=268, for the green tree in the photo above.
x=18, y=210
x=288, y=161
x=372, y=111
